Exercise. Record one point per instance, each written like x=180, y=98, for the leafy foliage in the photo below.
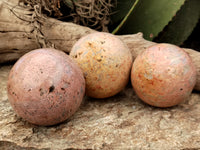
x=182, y=25
x=147, y=16
x=121, y=10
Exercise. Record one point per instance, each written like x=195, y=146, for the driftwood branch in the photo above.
x=22, y=30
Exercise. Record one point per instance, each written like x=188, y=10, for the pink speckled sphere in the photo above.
x=163, y=75
x=45, y=87
x=106, y=62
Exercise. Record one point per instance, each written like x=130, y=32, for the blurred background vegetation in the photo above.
x=169, y=21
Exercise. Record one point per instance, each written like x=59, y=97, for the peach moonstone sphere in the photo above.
x=163, y=75
x=106, y=62
x=45, y=87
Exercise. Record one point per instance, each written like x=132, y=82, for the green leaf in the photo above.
x=149, y=17
x=182, y=25
x=126, y=17
x=121, y=10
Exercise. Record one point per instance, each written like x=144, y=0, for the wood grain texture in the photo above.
x=119, y=122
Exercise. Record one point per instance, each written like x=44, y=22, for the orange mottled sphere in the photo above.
x=45, y=87
x=106, y=62
x=163, y=75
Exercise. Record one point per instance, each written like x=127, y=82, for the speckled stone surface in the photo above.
x=119, y=122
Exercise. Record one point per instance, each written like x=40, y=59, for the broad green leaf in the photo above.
x=121, y=10
x=125, y=17
x=149, y=17
x=182, y=25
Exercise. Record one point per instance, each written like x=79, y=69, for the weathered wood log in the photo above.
x=119, y=122
x=22, y=30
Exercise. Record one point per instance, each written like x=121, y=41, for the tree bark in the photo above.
x=22, y=29
x=119, y=122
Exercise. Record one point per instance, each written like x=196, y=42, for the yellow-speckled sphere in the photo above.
x=106, y=62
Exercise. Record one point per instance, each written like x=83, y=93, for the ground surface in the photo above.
x=120, y=122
